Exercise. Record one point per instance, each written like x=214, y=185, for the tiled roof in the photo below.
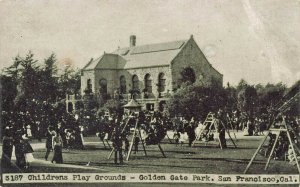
x=144, y=56
x=157, y=47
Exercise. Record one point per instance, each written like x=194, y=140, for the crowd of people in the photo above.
x=65, y=130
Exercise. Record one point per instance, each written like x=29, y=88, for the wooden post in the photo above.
x=292, y=144
x=111, y=152
x=104, y=144
x=161, y=150
x=226, y=130
x=108, y=144
x=272, y=151
x=132, y=140
x=113, y=149
x=231, y=139
x=256, y=152
x=169, y=139
x=140, y=135
x=232, y=128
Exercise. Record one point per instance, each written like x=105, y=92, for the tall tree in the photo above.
x=8, y=87
x=69, y=82
x=48, y=79
x=28, y=73
x=248, y=100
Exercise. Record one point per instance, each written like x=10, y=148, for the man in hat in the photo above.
x=117, y=137
x=7, y=146
x=221, y=129
x=117, y=144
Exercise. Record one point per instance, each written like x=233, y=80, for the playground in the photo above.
x=202, y=158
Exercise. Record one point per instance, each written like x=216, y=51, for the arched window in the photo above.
x=161, y=82
x=135, y=82
x=188, y=75
x=103, y=86
x=89, y=84
x=123, y=84
x=148, y=83
x=88, y=89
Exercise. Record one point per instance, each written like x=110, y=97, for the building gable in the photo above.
x=191, y=56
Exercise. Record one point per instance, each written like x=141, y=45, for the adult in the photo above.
x=136, y=142
x=49, y=141
x=58, y=143
x=190, y=129
x=27, y=150
x=117, y=144
x=78, y=138
x=19, y=149
x=250, y=127
x=7, y=146
x=221, y=130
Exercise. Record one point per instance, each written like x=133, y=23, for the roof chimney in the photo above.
x=132, y=40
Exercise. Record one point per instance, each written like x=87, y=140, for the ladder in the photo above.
x=208, y=123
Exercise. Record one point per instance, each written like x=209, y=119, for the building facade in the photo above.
x=154, y=70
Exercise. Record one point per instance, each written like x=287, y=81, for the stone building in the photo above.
x=155, y=70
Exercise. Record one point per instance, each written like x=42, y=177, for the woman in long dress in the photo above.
x=28, y=150
x=57, y=157
x=20, y=149
x=49, y=141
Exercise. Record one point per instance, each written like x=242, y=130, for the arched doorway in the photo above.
x=103, y=86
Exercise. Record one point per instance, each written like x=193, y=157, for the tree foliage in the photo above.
x=247, y=100
x=196, y=101
x=27, y=81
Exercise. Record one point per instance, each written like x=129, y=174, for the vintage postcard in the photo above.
x=140, y=93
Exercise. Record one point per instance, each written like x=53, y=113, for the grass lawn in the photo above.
x=180, y=159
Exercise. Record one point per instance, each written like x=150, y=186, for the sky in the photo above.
x=256, y=40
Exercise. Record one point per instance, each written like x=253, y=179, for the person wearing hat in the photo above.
x=117, y=138
x=49, y=141
x=20, y=149
x=27, y=150
x=117, y=144
x=221, y=130
x=58, y=144
x=7, y=146
x=190, y=129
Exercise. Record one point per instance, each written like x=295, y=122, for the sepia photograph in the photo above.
x=150, y=93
